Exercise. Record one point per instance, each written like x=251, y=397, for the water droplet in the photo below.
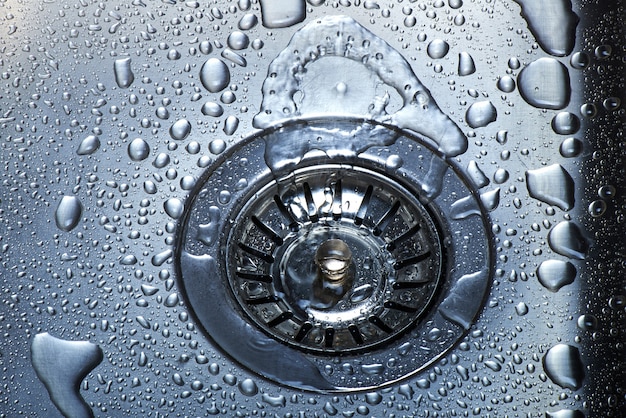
x=587, y=322
x=506, y=84
x=214, y=75
x=89, y=145
x=231, y=124
x=61, y=366
x=565, y=123
x=545, y=84
x=455, y=4
x=248, y=388
x=457, y=306
x=514, y=63
x=554, y=274
x=138, y=149
x=124, y=76
x=597, y=208
x=567, y=239
x=67, y=214
x=248, y=21
x=238, y=40
x=612, y=103
x=603, y=51
x=466, y=64
x=476, y=174
x=571, y=147
x=553, y=26
x=217, y=146
x=276, y=14
x=565, y=413
x=174, y=207
x=481, y=114
x=607, y=192
x=553, y=185
x=580, y=60
x=564, y=366
x=212, y=109
x=589, y=110
x=171, y=300
x=437, y=48
x=207, y=233
x=521, y=309
x=180, y=129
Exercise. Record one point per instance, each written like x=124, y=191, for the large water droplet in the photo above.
x=237, y=40
x=180, y=129
x=545, y=84
x=89, y=145
x=466, y=64
x=214, y=75
x=554, y=274
x=461, y=304
x=565, y=413
x=67, y=214
x=282, y=14
x=481, y=114
x=62, y=365
x=174, y=207
x=565, y=123
x=564, y=366
x=248, y=388
x=248, y=21
x=567, y=239
x=506, y=84
x=553, y=23
x=552, y=185
x=571, y=147
x=212, y=109
x=124, y=76
x=437, y=48
x=138, y=149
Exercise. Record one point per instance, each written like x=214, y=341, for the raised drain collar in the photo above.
x=335, y=268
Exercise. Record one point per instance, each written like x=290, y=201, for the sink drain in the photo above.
x=338, y=267
x=343, y=259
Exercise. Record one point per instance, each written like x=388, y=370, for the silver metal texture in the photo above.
x=177, y=176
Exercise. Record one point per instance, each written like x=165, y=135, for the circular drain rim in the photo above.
x=444, y=325
x=395, y=305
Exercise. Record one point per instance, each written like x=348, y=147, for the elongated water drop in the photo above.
x=214, y=75
x=124, y=76
x=138, y=149
x=89, y=145
x=466, y=64
x=567, y=239
x=68, y=213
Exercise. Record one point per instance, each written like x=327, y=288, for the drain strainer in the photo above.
x=341, y=259
x=338, y=266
